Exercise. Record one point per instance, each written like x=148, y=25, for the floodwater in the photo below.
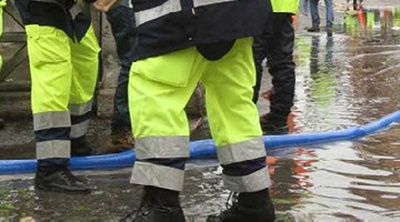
x=348, y=80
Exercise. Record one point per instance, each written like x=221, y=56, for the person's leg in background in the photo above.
x=304, y=7
x=354, y=4
x=329, y=17
x=122, y=21
x=279, y=52
x=315, y=19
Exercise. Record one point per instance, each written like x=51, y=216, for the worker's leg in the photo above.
x=279, y=51
x=85, y=66
x=159, y=89
x=234, y=124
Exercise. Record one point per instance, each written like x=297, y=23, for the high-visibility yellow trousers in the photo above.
x=63, y=73
x=159, y=89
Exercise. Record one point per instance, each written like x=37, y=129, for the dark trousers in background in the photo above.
x=276, y=44
x=315, y=14
x=122, y=21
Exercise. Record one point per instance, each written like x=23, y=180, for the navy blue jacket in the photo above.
x=54, y=13
x=189, y=25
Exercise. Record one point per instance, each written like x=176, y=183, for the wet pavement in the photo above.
x=348, y=80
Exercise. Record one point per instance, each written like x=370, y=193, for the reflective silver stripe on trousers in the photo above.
x=48, y=120
x=241, y=151
x=157, y=12
x=149, y=174
x=162, y=147
x=80, y=129
x=80, y=109
x=256, y=181
x=53, y=149
x=197, y=3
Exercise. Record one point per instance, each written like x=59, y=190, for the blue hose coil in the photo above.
x=203, y=148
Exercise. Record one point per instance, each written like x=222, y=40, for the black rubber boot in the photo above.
x=313, y=29
x=79, y=147
x=254, y=207
x=53, y=175
x=329, y=32
x=272, y=124
x=158, y=205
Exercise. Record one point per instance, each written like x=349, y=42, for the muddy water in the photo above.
x=348, y=80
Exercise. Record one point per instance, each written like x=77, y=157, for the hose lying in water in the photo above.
x=203, y=148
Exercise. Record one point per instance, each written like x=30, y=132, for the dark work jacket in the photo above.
x=187, y=25
x=55, y=13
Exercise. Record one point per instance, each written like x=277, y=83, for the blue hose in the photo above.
x=203, y=148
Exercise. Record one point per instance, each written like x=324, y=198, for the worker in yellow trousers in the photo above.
x=276, y=44
x=181, y=43
x=63, y=56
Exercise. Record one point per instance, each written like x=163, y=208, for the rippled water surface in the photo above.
x=344, y=81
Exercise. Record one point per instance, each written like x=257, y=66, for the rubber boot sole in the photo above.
x=273, y=130
x=60, y=190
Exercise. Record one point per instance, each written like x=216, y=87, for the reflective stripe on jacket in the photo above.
x=164, y=26
x=285, y=6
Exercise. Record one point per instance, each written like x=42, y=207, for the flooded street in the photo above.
x=346, y=80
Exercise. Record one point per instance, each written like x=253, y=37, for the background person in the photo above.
x=122, y=20
x=304, y=7
x=276, y=44
x=315, y=19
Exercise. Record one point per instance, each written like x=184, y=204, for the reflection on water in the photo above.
x=350, y=81
x=347, y=80
x=323, y=90
x=373, y=22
